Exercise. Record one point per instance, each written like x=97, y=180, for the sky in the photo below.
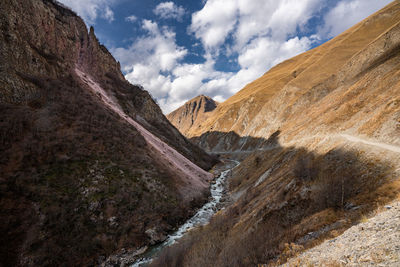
x=183, y=48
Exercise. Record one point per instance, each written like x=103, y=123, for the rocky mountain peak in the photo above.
x=192, y=113
x=204, y=103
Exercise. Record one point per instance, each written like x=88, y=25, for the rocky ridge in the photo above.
x=192, y=113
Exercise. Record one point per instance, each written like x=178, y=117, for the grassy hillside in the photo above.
x=346, y=84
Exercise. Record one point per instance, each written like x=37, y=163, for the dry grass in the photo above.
x=345, y=84
x=277, y=95
x=267, y=223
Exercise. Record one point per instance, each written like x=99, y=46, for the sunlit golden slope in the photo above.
x=350, y=83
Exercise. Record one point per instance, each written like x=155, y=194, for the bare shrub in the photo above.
x=304, y=169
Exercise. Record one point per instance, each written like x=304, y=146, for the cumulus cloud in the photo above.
x=150, y=60
x=90, y=10
x=246, y=20
x=214, y=22
x=155, y=61
x=256, y=31
x=263, y=53
x=347, y=13
x=108, y=14
x=131, y=18
x=255, y=35
x=168, y=10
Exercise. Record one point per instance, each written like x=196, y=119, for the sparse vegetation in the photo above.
x=77, y=182
x=267, y=223
x=86, y=176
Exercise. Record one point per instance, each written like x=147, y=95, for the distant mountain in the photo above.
x=192, y=113
x=89, y=164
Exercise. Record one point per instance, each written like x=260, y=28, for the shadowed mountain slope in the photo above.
x=89, y=164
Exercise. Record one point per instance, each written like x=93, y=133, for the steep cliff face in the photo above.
x=192, y=113
x=89, y=164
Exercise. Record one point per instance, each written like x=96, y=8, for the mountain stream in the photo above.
x=202, y=216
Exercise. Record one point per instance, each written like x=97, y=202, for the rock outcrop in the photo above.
x=372, y=242
x=192, y=113
x=88, y=161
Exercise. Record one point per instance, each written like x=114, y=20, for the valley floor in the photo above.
x=373, y=242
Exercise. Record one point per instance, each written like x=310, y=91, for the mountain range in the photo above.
x=192, y=114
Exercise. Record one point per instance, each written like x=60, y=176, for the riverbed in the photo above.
x=202, y=216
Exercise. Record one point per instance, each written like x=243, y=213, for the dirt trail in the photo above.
x=371, y=143
x=348, y=137
x=198, y=178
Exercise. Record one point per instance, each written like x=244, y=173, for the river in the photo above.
x=202, y=216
